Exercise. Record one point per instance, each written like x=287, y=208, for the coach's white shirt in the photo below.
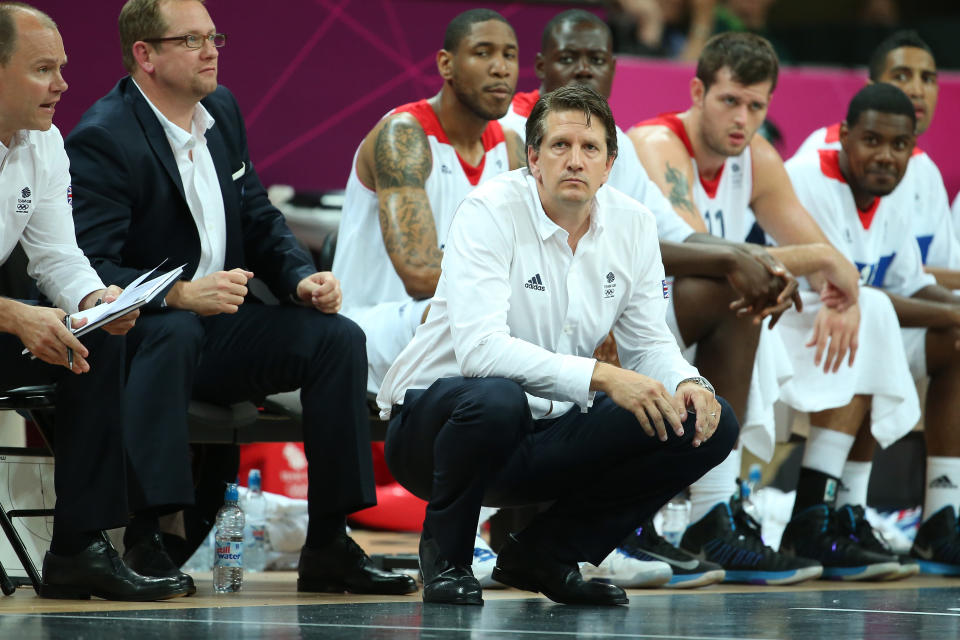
x=201, y=186
x=35, y=210
x=513, y=300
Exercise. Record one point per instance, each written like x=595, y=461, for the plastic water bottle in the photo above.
x=676, y=516
x=228, y=561
x=255, y=534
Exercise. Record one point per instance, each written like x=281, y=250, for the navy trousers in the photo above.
x=467, y=442
x=89, y=474
x=260, y=350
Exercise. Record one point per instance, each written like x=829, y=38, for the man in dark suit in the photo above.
x=161, y=171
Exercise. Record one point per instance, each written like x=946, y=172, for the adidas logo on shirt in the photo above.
x=943, y=482
x=535, y=283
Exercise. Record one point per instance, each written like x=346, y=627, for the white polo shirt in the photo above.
x=35, y=210
x=201, y=186
x=514, y=301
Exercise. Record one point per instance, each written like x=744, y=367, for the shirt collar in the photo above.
x=21, y=137
x=180, y=139
x=547, y=227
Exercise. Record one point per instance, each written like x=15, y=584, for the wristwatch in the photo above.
x=700, y=380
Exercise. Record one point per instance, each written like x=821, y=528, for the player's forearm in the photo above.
x=699, y=255
x=9, y=315
x=919, y=311
x=945, y=277
x=805, y=259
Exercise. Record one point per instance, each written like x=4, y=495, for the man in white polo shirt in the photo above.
x=540, y=265
x=89, y=423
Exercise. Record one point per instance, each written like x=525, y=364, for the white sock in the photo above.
x=854, y=483
x=943, y=485
x=827, y=450
x=717, y=485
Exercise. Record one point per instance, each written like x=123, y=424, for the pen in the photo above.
x=67, y=322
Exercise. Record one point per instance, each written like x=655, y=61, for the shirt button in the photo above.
x=567, y=329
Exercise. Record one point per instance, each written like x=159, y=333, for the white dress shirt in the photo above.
x=514, y=301
x=200, y=185
x=35, y=210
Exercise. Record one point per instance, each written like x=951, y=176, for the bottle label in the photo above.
x=257, y=532
x=229, y=554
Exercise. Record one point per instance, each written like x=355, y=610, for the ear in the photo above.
x=143, y=55
x=697, y=92
x=533, y=160
x=445, y=64
x=844, y=134
x=538, y=66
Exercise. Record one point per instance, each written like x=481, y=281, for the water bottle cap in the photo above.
x=231, y=495
x=253, y=479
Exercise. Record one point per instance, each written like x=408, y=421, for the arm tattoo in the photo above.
x=402, y=163
x=680, y=193
x=517, y=150
x=401, y=155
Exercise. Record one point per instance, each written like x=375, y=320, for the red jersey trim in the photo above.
x=427, y=117
x=833, y=133
x=830, y=166
x=523, y=102
x=672, y=122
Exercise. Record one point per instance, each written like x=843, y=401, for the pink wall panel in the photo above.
x=312, y=76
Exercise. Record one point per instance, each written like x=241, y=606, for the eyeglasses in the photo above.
x=191, y=41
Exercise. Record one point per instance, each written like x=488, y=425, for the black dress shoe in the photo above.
x=149, y=557
x=526, y=567
x=444, y=582
x=342, y=565
x=99, y=571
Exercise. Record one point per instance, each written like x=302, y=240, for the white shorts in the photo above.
x=771, y=369
x=879, y=369
x=389, y=327
x=915, y=345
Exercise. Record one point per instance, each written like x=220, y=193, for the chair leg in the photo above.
x=17, y=543
x=6, y=585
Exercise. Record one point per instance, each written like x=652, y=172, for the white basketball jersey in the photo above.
x=926, y=206
x=879, y=240
x=724, y=200
x=361, y=262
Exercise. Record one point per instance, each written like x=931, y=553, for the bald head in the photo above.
x=10, y=14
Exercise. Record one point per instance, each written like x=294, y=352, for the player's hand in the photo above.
x=765, y=286
x=321, y=291
x=836, y=332
x=42, y=331
x=644, y=397
x=842, y=288
x=219, y=292
x=705, y=405
x=607, y=351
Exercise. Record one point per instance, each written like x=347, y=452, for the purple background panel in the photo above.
x=313, y=76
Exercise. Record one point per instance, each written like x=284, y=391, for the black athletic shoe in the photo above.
x=816, y=533
x=853, y=522
x=688, y=570
x=728, y=536
x=937, y=545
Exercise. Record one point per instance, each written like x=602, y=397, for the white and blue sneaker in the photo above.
x=484, y=560
x=625, y=571
x=687, y=570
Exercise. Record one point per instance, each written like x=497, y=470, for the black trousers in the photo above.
x=89, y=475
x=467, y=442
x=176, y=355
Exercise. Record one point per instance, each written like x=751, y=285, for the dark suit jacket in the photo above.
x=129, y=206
